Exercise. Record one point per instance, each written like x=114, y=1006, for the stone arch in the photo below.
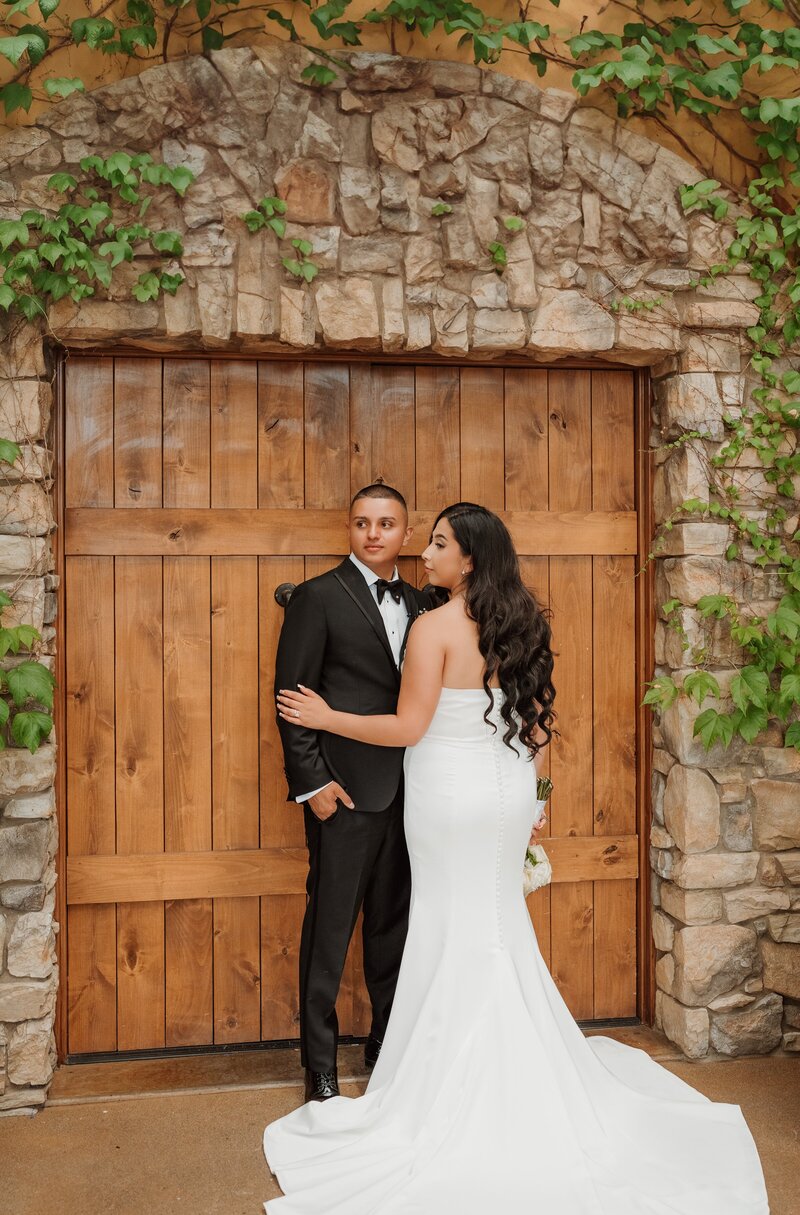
x=361, y=165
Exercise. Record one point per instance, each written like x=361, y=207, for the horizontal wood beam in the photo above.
x=320, y=533
x=154, y=877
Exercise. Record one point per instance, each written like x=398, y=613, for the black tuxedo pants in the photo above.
x=355, y=859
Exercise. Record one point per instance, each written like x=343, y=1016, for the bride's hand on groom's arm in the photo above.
x=304, y=708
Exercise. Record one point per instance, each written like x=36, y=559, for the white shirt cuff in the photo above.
x=305, y=796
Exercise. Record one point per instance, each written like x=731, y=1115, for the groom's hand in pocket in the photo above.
x=324, y=803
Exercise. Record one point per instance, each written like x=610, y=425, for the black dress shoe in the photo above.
x=321, y=1086
x=372, y=1049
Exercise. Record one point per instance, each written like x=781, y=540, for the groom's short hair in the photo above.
x=379, y=490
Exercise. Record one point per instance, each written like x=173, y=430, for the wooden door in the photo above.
x=193, y=488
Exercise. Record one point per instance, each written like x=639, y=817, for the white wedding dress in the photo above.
x=487, y=1099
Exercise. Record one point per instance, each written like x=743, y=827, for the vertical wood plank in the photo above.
x=614, y=686
x=137, y=432
x=438, y=437
x=527, y=435
x=234, y=433
x=382, y=427
x=234, y=681
x=281, y=922
x=187, y=429
x=281, y=459
x=571, y=761
x=140, y=794
x=483, y=436
x=188, y=923
x=90, y=783
x=89, y=432
x=327, y=435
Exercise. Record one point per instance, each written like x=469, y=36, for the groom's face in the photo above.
x=378, y=531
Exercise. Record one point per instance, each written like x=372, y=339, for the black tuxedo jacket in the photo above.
x=334, y=641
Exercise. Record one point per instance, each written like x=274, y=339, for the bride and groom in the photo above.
x=484, y=1094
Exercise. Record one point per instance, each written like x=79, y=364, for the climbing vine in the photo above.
x=659, y=64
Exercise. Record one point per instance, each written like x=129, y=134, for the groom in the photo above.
x=344, y=635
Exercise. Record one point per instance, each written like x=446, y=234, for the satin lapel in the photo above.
x=412, y=607
x=361, y=595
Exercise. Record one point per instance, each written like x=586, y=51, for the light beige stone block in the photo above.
x=776, y=817
x=688, y=1028
x=749, y=902
x=715, y=870
x=781, y=967
x=691, y=809
x=691, y=906
x=752, y=1031
x=712, y=960
x=348, y=313
x=567, y=322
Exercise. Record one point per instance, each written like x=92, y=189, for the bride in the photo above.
x=486, y=1097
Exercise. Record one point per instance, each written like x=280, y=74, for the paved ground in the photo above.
x=185, y=1135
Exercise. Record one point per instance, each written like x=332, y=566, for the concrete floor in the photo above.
x=165, y=1136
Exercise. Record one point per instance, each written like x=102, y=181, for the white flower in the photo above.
x=537, y=871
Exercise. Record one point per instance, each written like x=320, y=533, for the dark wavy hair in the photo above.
x=514, y=637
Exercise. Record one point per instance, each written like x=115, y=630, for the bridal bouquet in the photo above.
x=536, y=871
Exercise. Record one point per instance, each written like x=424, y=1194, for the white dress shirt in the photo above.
x=395, y=621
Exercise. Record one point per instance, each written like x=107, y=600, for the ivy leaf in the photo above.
x=699, y=685
x=318, y=73
x=146, y=288
x=792, y=738
x=13, y=230
x=751, y=723
x=117, y=250
x=180, y=178
x=441, y=208
x=92, y=30
x=30, y=729
x=711, y=727
x=167, y=242
x=31, y=681
x=661, y=691
x=7, y=296
x=277, y=225
x=513, y=223
x=40, y=41
x=170, y=282
x=14, y=48
x=750, y=686
x=10, y=452
x=48, y=7
x=202, y=8
x=16, y=96
x=62, y=182
x=790, y=689
x=255, y=220
x=62, y=86
x=213, y=39
x=5, y=713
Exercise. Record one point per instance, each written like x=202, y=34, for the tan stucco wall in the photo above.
x=683, y=134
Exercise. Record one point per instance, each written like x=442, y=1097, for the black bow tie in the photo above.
x=395, y=589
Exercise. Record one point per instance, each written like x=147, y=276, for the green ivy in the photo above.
x=47, y=256
x=26, y=690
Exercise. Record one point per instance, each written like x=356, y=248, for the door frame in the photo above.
x=644, y=609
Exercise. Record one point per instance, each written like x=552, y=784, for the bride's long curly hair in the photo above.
x=514, y=637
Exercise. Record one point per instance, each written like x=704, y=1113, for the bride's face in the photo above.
x=445, y=563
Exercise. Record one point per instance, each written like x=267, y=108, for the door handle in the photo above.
x=283, y=593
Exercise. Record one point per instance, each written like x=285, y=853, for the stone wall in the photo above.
x=28, y=831
x=361, y=166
